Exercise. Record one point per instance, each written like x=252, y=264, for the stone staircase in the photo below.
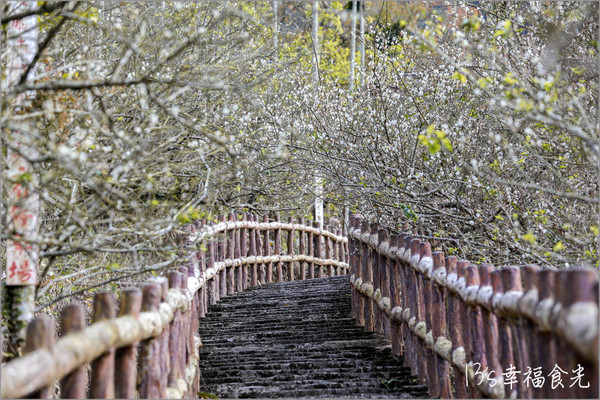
x=297, y=339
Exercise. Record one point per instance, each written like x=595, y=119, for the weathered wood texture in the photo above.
x=151, y=349
x=464, y=329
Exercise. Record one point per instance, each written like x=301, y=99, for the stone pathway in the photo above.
x=297, y=339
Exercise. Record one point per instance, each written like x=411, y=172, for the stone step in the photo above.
x=297, y=339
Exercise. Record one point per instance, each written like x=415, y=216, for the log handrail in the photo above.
x=447, y=313
x=165, y=322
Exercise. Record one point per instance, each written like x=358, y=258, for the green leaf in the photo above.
x=529, y=237
x=509, y=78
x=204, y=395
x=558, y=246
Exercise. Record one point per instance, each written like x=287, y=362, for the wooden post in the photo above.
x=439, y=326
x=411, y=292
x=367, y=266
x=149, y=372
x=278, y=249
x=465, y=322
x=244, y=252
x=184, y=328
x=267, y=250
x=385, y=266
x=454, y=323
x=326, y=241
x=545, y=340
x=72, y=320
x=565, y=356
x=301, y=249
x=427, y=317
x=230, y=254
x=489, y=321
x=353, y=270
x=102, y=385
x=524, y=333
x=164, y=337
x=317, y=248
x=221, y=257
x=174, y=351
x=202, y=295
x=417, y=292
x=290, y=251
x=506, y=279
x=336, y=253
x=374, y=266
x=359, y=272
x=40, y=335
x=379, y=265
x=472, y=323
x=262, y=273
x=193, y=334
x=252, y=253
x=405, y=299
x=395, y=326
x=125, y=357
x=341, y=252
x=311, y=253
x=579, y=286
x=237, y=271
x=211, y=256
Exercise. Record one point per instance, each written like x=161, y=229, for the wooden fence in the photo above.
x=477, y=331
x=152, y=345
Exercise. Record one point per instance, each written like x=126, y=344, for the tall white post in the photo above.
x=22, y=199
x=275, y=27
x=319, y=215
x=363, y=61
x=315, y=39
x=353, y=45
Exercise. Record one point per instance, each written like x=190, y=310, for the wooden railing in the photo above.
x=152, y=346
x=470, y=331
